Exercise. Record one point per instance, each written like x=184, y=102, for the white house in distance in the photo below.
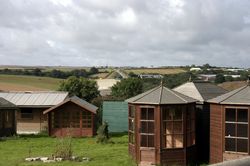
x=195, y=69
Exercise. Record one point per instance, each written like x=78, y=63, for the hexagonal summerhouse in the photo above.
x=162, y=127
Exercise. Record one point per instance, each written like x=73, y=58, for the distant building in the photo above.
x=151, y=76
x=104, y=86
x=235, y=69
x=195, y=69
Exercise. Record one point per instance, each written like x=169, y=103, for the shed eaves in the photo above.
x=161, y=95
x=240, y=96
x=35, y=98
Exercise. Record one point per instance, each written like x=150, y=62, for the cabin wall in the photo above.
x=216, y=133
x=38, y=123
x=173, y=157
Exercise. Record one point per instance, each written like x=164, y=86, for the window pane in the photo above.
x=230, y=144
x=151, y=141
x=242, y=130
x=177, y=114
x=150, y=127
x=168, y=127
x=132, y=111
x=144, y=127
x=192, y=138
x=230, y=115
x=178, y=127
x=178, y=141
x=242, y=145
x=144, y=140
x=169, y=141
x=131, y=138
x=230, y=129
x=151, y=114
x=242, y=115
x=131, y=124
x=144, y=113
x=166, y=114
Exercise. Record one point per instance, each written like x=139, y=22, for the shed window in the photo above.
x=131, y=120
x=172, y=127
x=147, y=127
x=27, y=114
x=236, y=130
x=55, y=119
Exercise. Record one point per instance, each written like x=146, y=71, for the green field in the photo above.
x=17, y=82
x=13, y=151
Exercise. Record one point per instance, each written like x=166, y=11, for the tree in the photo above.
x=127, y=88
x=81, y=87
x=93, y=70
x=220, y=78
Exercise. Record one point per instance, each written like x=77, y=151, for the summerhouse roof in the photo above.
x=240, y=96
x=200, y=90
x=161, y=95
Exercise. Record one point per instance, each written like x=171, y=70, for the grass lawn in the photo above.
x=14, y=150
x=18, y=82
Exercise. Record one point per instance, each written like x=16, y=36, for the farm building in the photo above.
x=29, y=115
x=7, y=118
x=116, y=114
x=229, y=125
x=201, y=91
x=73, y=116
x=162, y=127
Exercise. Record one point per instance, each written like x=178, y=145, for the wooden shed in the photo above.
x=7, y=118
x=74, y=117
x=229, y=125
x=202, y=91
x=162, y=127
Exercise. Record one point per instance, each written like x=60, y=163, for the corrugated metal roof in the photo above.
x=200, y=90
x=6, y=104
x=82, y=103
x=35, y=98
x=240, y=96
x=161, y=95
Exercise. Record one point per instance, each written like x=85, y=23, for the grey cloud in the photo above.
x=118, y=32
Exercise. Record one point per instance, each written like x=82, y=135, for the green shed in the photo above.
x=116, y=114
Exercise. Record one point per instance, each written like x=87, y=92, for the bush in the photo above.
x=63, y=148
x=103, y=133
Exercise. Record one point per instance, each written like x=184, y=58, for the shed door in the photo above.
x=147, y=135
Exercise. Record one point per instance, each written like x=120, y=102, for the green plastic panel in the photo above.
x=116, y=114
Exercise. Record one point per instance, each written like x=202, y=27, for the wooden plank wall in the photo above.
x=216, y=132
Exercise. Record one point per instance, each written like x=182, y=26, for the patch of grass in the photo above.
x=14, y=150
x=29, y=82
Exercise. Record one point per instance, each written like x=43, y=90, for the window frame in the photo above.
x=27, y=118
x=236, y=123
x=131, y=117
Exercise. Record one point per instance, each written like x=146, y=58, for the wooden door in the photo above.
x=147, y=135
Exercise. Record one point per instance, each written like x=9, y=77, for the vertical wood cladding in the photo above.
x=216, y=133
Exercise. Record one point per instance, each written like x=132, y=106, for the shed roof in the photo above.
x=200, y=90
x=35, y=98
x=6, y=104
x=240, y=96
x=76, y=100
x=161, y=95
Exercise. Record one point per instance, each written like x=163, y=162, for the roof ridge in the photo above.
x=240, y=89
x=147, y=92
x=176, y=94
x=161, y=93
x=196, y=87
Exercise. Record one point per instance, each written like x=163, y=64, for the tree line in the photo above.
x=51, y=73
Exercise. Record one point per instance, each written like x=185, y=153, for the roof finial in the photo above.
x=161, y=82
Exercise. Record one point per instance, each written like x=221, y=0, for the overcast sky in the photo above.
x=125, y=32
